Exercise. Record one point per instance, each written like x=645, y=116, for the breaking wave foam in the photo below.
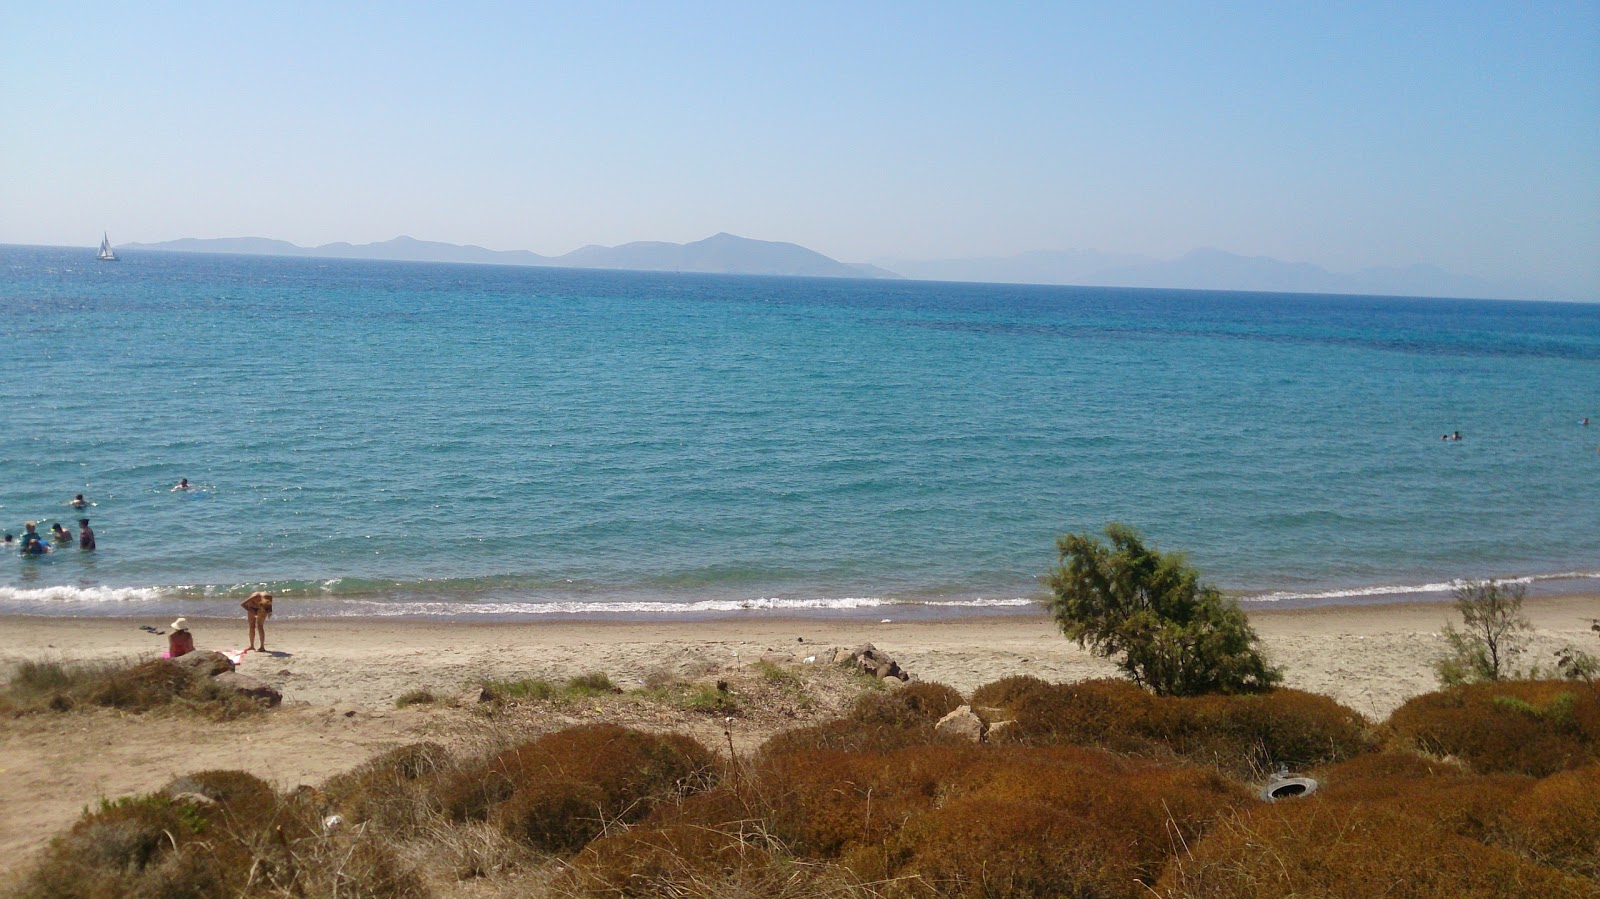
x=81, y=594
x=1409, y=589
x=767, y=604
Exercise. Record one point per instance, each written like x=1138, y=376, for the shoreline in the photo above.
x=303, y=600
x=1369, y=656
x=340, y=678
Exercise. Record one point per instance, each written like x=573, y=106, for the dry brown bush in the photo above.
x=394, y=791
x=1526, y=727
x=1246, y=735
x=1254, y=734
x=45, y=686
x=1006, y=692
x=1317, y=848
x=1557, y=822
x=563, y=789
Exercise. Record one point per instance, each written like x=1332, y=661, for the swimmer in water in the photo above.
x=183, y=484
x=32, y=545
x=85, y=534
x=78, y=502
x=60, y=534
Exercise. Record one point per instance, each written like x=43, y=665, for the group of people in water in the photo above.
x=33, y=543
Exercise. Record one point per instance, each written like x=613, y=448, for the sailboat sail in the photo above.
x=106, y=253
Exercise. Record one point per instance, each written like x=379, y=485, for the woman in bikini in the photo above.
x=258, y=606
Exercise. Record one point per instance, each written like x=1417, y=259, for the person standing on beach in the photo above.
x=258, y=606
x=85, y=535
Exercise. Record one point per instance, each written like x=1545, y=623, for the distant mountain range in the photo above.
x=719, y=254
x=1204, y=269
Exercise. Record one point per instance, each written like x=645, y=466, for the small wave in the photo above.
x=1408, y=589
x=765, y=604
x=81, y=594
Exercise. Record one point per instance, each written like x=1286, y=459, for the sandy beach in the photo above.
x=340, y=677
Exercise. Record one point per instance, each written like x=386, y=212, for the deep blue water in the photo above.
x=445, y=439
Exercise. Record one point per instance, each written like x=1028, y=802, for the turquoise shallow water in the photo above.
x=387, y=438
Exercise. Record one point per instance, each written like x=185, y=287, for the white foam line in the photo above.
x=653, y=608
x=80, y=594
x=1403, y=589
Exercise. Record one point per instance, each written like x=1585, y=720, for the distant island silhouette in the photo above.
x=724, y=254
x=1202, y=269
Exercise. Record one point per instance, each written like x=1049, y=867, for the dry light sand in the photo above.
x=340, y=677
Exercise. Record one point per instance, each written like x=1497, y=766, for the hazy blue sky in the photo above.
x=1461, y=134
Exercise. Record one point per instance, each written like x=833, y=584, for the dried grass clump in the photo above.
x=914, y=705
x=560, y=791
x=1526, y=727
x=1319, y=848
x=244, y=842
x=146, y=686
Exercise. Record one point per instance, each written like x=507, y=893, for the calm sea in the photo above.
x=446, y=440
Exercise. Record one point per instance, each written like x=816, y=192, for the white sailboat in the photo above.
x=106, y=254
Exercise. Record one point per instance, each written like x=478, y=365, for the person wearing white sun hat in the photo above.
x=180, y=641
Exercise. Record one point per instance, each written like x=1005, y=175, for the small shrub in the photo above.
x=915, y=705
x=1006, y=692
x=1528, y=727
x=1252, y=735
x=394, y=791
x=560, y=790
x=556, y=816
x=239, y=790
x=1114, y=714
x=1149, y=612
x=420, y=696
x=1493, y=633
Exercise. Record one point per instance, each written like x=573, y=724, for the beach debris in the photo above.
x=871, y=660
x=809, y=660
x=473, y=696
x=332, y=823
x=192, y=798
x=961, y=725
x=1288, y=786
x=245, y=685
x=209, y=663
